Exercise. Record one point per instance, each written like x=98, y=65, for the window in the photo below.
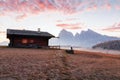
x=31, y=41
x=24, y=41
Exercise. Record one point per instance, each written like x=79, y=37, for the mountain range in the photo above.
x=87, y=38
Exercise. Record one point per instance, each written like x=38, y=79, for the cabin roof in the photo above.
x=28, y=33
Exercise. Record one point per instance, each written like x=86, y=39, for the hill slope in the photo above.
x=37, y=64
x=113, y=45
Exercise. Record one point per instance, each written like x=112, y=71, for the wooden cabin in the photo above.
x=28, y=39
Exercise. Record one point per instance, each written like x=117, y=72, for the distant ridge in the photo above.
x=87, y=38
x=113, y=45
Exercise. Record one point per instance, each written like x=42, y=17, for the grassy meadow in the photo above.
x=45, y=64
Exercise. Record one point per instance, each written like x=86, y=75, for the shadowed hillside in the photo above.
x=37, y=64
x=113, y=45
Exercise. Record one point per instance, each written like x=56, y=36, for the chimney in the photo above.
x=38, y=29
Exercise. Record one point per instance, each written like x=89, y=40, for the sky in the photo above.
x=102, y=16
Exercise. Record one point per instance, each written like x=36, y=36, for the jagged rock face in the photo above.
x=84, y=39
x=66, y=35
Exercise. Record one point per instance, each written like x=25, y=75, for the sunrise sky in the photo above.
x=102, y=16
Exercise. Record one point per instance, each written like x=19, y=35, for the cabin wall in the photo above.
x=29, y=41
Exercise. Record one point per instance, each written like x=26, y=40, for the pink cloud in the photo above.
x=114, y=28
x=59, y=21
x=72, y=19
x=67, y=20
x=117, y=7
x=107, y=6
x=20, y=17
x=67, y=6
x=70, y=26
